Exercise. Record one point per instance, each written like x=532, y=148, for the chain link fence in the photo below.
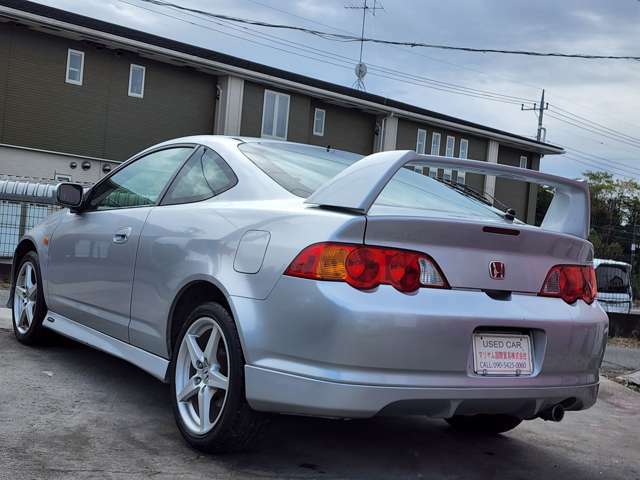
x=22, y=206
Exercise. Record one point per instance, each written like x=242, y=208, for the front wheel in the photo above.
x=28, y=309
x=207, y=384
x=484, y=423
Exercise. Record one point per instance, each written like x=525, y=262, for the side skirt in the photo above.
x=150, y=363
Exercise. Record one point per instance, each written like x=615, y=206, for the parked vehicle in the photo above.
x=263, y=276
x=615, y=293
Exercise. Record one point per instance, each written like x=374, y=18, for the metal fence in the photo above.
x=22, y=205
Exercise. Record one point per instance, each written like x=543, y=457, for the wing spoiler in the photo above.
x=357, y=187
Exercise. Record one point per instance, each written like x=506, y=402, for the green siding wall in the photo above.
x=518, y=195
x=345, y=128
x=408, y=134
x=98, y=118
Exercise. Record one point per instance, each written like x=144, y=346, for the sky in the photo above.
x=603, y=91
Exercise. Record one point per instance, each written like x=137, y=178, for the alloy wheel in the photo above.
x=202, y=375
x=25, y=297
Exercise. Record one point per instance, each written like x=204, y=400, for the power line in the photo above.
x=599, y=166
x=592, y=130
x=459, y=88
x=568, y=114
x=603, y=159
x=353, y=38
x=344, y=62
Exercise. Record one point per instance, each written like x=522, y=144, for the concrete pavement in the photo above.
x=67, y=411
x=622, y=358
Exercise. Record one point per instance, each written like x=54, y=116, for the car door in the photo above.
x=181, y=239
x=92, y=253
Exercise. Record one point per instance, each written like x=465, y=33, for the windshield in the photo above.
x=302, y=169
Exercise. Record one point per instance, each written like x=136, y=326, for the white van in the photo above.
x=614, y=285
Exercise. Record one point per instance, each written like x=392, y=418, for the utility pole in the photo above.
x=361, y=67
x=542, y=132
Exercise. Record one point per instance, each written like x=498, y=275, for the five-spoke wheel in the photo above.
x=29, y=307
x=25, y=297
x=207, y=383
x=202, y=378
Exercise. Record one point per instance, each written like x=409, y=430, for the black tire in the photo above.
x=492, y=424
x=35, y=332
x=238, y=426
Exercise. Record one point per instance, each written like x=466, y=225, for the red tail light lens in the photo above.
x=366, y=267
x=571, y=282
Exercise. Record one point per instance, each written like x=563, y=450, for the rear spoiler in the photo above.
x=357, y=187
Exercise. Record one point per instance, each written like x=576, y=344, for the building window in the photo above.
x=461, y=177
x=318, y=122
x=523, y=161
x=421, y=141
x=75, y=67
x=435, y=144
x=136, y=81
x=275, y=115
x=451, y=145
x=464, y=148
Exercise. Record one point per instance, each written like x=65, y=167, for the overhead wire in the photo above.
x=353, y=38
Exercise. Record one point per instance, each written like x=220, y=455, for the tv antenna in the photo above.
x=368, y=6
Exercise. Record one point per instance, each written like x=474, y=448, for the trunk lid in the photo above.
x=465, y=247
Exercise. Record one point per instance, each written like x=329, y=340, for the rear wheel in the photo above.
x=207, y=384
x=28, y=308
x=484, y=423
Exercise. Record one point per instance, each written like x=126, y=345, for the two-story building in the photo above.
x=79, y=95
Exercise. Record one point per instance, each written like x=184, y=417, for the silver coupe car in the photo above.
x=263, y=276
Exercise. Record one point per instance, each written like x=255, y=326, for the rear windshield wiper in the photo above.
x=471, y=192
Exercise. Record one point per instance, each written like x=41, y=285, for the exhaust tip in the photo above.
x=553, y=414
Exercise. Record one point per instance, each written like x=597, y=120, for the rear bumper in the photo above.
x=324, y=348
x=272, y=391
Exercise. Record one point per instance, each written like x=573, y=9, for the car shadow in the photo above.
x=131, y=419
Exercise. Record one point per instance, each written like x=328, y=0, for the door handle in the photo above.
x=122, y=235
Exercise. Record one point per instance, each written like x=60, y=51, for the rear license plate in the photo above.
x=502, y=354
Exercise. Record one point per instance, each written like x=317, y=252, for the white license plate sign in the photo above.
x=502, y=354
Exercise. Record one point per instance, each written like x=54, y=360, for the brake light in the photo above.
x=365, y=267
x=571, y=282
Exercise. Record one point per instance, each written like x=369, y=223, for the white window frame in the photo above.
x=464, y=147
x=319, y=132
x=450, y=149
x=144, y=77
x=465, y=142
x=434, y=136
x=524, y=160
x=68, y=79
x=275, y=115
x=421, y=144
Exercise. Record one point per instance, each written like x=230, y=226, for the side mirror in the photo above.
x=69, y=195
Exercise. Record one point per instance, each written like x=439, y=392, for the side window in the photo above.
x=140, y=183
x=202, y=177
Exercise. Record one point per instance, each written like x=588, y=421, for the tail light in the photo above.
x=366, y=267
x=571, y=282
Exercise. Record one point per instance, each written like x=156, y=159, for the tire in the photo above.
x=492, y=424
x=234, y=425
x=28, y=331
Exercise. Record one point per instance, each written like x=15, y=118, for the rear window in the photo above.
x=612, y=279
x=302, y=169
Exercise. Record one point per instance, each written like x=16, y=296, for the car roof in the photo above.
x=602, y=261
